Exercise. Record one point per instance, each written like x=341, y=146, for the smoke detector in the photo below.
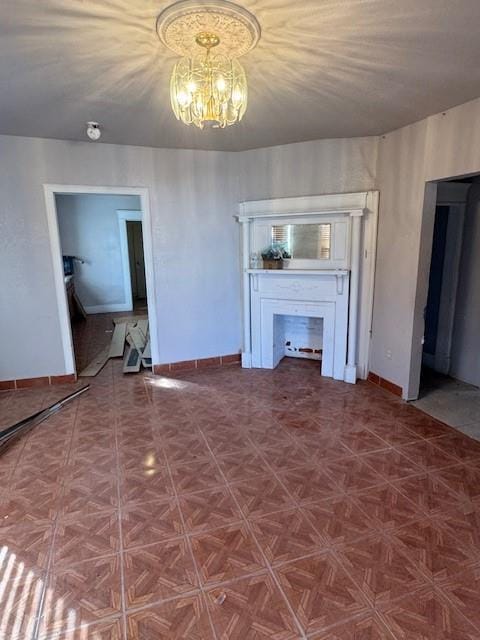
x=93, y=131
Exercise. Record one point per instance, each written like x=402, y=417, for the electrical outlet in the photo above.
x=389, y=354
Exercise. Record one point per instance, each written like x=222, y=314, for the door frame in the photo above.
x=443, y=192
x=50, y=191
x=124, y=216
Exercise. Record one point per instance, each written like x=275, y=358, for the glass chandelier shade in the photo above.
x=209, y=88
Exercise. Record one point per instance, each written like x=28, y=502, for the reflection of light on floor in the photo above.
x=20, y=596
x=167, y=383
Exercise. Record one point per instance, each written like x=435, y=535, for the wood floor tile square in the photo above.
x=388, y=507
x=196, y=476
x=85, y=537
x=81, y=594
x=379, y=568
x=286, y=535
x=243, y=466
x=392, y=464
x=425, y=615
x=23, y=508
x=463, y=591
x=428, y=493
x=148, y=522
x=251, y=608
x=436, y=552
x=226, y=553
x=320, y=592
x=427, y=455
x=286, y=456
x=463, y=479
x=179, y=619
x=157, y=572
x=309, y=483
x=261, y=496
x=146, y=486
x=339, y=520
x=209, y=509
x=368, y=627
x=354, y=474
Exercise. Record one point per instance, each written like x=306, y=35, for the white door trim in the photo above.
x=50, y=191
x=124, y=216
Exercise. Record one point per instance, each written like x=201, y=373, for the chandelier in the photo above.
x=208, y=85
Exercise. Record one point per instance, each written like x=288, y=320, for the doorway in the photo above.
x=133, y=258
x=99, y=311
x=450, y=368
x=137, y=264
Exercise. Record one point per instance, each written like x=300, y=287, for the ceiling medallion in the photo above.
x=208, y=86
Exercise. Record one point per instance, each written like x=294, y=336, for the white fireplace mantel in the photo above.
x=347, y=303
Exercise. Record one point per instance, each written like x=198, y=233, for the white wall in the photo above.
x=441, y=146
x=309, y=168
x=89, y=229
x=193, y=197
x=400, y=180
x=465, y=354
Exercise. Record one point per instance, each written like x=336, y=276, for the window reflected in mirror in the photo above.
x=303, y=241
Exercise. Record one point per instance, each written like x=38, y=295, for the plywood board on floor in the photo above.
x=147, y=352
x=97, y=364
x=138, y=338
x=129, y=319
x=132, y=360
x=143, y=326
x=117, y=346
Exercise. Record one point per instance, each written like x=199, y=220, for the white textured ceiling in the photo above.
x=322, y=69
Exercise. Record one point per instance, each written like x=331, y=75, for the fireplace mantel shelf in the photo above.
x=300, y=272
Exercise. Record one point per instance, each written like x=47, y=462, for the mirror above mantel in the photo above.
x=316, y=242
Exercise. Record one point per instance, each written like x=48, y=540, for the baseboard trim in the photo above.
x=107, y=308
x=201, y=363
x=35, y=383
x=384, y=384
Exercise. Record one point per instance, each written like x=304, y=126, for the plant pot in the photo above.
x=272, y=264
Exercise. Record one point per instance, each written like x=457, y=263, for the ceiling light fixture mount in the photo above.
x=208, y=85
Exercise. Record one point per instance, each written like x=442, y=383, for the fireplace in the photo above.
x=300, y=336
x=319, y=305
x=312, y=298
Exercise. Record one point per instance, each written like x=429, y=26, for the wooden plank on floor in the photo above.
x=143, y=326
x=97, y=364
x=128, y=319
x=117, y=345
x=147, y=363
x=132, y=360
x=138, y=338
x=147, y=353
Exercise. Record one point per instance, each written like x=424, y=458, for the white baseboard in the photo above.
x=107, y=308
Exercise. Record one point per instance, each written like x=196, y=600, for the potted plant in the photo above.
x=273, y=257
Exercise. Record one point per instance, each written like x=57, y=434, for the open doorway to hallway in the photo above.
x=102, y=249
x=137, y=263
x=450, y=378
